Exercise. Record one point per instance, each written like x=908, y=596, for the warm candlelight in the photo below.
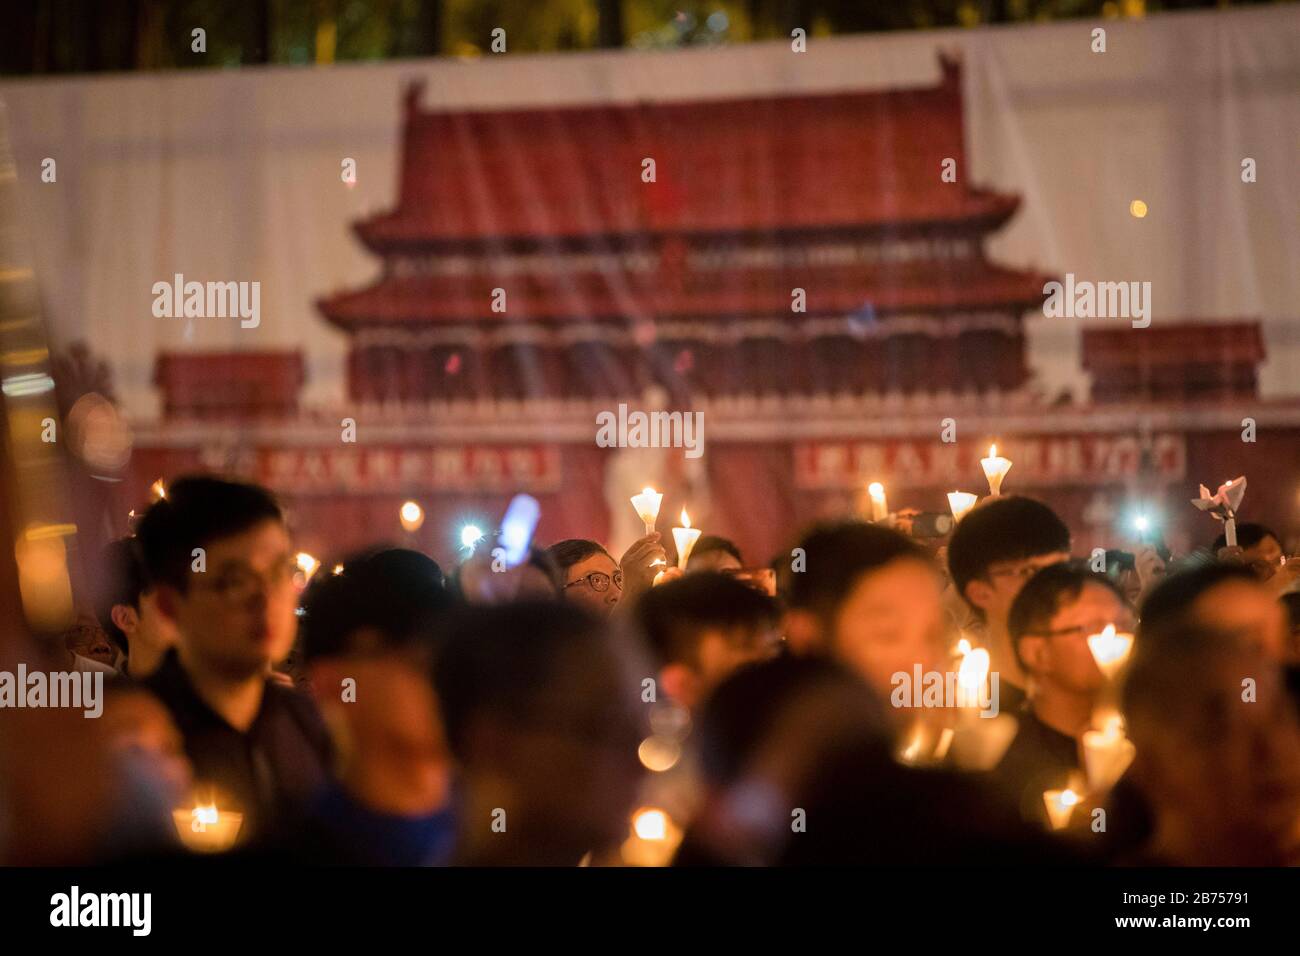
x=971, y=675
x=158, y=490
x=1110, y=649
x=1060, y=804
x=1107, y=754
x=205, y=829
x=961, y=502
x=306, y=564
x=995, y=469
x=685, y=538
x=647, y=507
x=411, y=515
x=879, y=507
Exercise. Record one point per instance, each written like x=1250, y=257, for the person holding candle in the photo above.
x=869, y=598
x=1049, y=624
x=369, y=635
x=1219, y=768
x=704, y=626
x=223, y=565
x=1228, y=597
x=543, y=713
x=595, y=581
x=993, y=551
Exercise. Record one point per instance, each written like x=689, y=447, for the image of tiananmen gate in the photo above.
x=677, y=294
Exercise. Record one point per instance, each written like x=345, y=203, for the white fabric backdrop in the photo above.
x=225, y=175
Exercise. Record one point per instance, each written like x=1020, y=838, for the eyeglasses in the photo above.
x=238, y=584
x=598, y=581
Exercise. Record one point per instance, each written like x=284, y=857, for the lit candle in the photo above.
x=647, y=507
x=685, y=538
x=307, y=564
x=1060, y=804
x=1110, y=650
x=206, y=829
x=995, y=469
x=1107, y=753
x=879, y=507
x=971, y=675
x=411, y=515
x=961, y=502
x=158, y=490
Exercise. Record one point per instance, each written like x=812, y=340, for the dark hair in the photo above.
x=748, y=704
x=396, y=592
x=1043, y=595
x=503, y=659
x=1171, y=601
x=836, y=556
x=1248, y=535
x=122, y=580
x=572, y=551
x=1166, y=663
x=197, y=511
x=714, y=542
x=1003, y=528
x=674, y=616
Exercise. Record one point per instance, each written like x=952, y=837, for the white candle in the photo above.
x=647, y=507
x=1110, y=649
x=961, y=502
x=685, y=538
x=879, y=507
x=995, y=469
x=1106, y=754
x=1060, y=804
x=972, y=672
x=1230, y=532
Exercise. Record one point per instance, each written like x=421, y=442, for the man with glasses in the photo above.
x=220, y=557
x=1049, y=624
x=994, y=550
x=592, y=579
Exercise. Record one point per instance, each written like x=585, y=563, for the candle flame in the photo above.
x=686, y=519
x=876, y=489
x=650, y=824
x=647, y=490
x=993, y=451
x=158, y=490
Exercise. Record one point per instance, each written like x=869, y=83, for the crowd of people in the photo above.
x=578, y=709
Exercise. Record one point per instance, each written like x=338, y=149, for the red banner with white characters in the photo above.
x=1036, y=460
x=441, y=468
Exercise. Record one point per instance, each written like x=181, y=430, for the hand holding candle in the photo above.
x=995, y=469
x=685, y=538
x=647, y=507
x=961, y=502
x=1223, y=504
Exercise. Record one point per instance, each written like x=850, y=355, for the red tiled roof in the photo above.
x=921, y=286
x=838, y=160
x=229, y=383
x=1180, y=343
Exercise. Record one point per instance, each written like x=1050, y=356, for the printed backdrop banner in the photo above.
x=235, y=177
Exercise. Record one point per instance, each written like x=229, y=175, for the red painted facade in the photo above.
x=529, y=279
